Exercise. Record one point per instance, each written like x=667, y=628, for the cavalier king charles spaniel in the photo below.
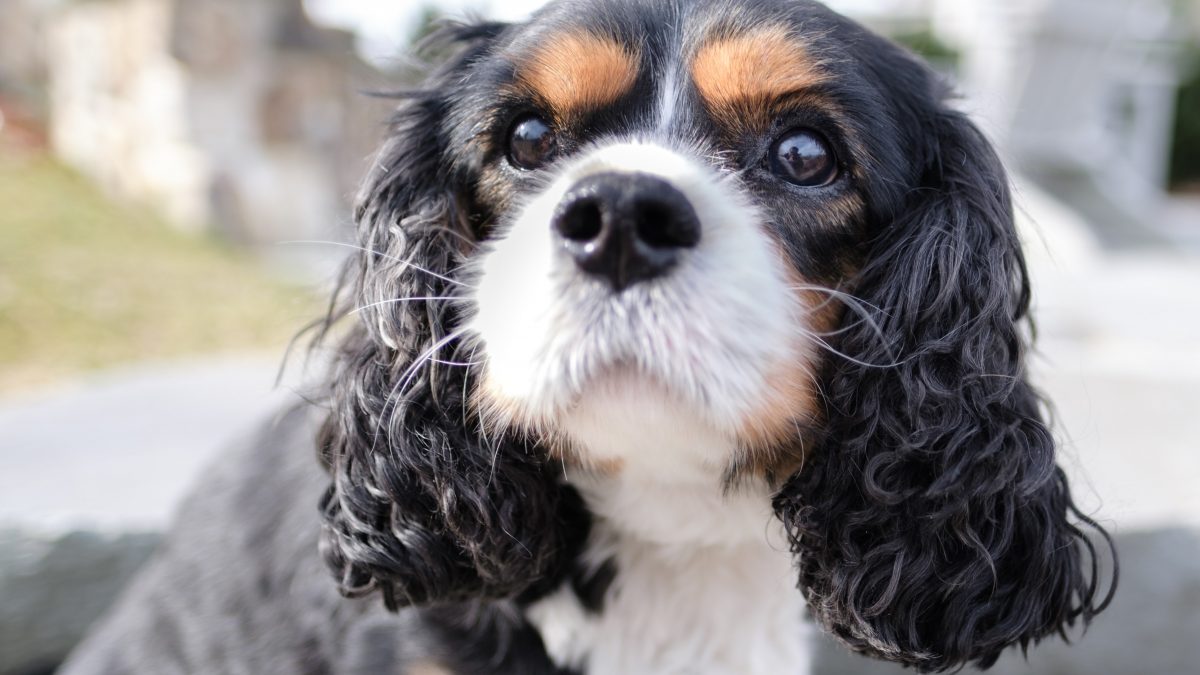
x=676, y=326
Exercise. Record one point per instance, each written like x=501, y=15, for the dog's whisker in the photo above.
x=343, y=244
x=397, y=393
x=392, y=301
x=854, y=304
x=835, y=293
x=406, y=264
x=456, y=364
x=466, y=381
x=409, y=264
x=820, y=342
x=427, y=355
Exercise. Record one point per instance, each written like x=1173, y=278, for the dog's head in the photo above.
x=755, y=220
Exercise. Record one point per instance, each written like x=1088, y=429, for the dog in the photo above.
x=673, y=324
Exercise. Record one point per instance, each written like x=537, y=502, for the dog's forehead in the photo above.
x=676, y=26
x=582, y=55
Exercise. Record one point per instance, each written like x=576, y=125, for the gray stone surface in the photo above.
x=52, y=589
x=116, y=452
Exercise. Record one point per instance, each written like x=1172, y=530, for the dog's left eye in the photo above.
x=804, y=157
x=530, y=142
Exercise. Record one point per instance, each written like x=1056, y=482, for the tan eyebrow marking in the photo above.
x=739, y=76
x=577, y=72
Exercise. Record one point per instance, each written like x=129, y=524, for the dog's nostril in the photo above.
x=664, y=225
x=653, y=224
x=582, y=223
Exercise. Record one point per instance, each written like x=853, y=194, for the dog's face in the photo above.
x=755, y=220
x=675, y=201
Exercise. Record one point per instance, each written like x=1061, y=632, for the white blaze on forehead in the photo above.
x=561, y=351
x=668, y=97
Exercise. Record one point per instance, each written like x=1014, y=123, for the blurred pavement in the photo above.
x=114, y=453
x=1119, y=356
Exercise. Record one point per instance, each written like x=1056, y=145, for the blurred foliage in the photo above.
x=426, y=23
x=85, y=283
x=1185, y=144
x=429, y=20
x=927, y=45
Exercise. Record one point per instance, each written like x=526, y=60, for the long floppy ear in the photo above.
x=932, y=527
x=422, y=506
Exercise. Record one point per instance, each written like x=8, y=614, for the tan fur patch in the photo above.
x=563, y=451
x=790, y=407
x=577, y=72
x=741, y=76
x=500, y=414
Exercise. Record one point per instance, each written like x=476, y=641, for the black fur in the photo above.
x=591, y=585
x=422, y=506
x=932, y=527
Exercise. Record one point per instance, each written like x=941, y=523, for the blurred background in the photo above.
x=175, y=180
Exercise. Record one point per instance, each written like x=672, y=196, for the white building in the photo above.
x=236, y=115
x=1080, y=93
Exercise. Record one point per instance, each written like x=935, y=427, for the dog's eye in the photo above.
x=530, y=142
x=803, y=157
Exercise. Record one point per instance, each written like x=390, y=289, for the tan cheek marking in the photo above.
x=597, y=467
x=577, y=72
x=497, y=412
x=740, y=76
x=500, y=415
x=790, y=406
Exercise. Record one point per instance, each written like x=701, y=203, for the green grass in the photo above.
x=86, y=284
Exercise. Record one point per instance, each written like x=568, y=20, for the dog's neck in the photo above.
x=703, y=580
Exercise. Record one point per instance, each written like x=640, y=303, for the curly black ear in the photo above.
x=933, y=527
x=422, y=505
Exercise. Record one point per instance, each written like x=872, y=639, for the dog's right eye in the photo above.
x=804, y=157
x=530, y=142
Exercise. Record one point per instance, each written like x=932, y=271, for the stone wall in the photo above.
x=1080, y=94
x=239, y=116
x=53, y=588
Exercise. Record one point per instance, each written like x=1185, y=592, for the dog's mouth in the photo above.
x=603, y=366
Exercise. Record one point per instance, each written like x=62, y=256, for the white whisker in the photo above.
x=428, y=298
x=856, y=305
x=458, y=364
x=403, y=262
x=832, y=350
x=399, y=390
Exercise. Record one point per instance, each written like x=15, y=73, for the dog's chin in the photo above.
x=629, y=418
x=622, y=418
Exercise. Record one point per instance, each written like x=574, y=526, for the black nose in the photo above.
x=626, y=228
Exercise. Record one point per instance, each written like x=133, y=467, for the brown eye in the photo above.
x=530, y=142
x=803, y=157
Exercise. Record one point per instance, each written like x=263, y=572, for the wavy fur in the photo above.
x=932, y=527
x=422, y=505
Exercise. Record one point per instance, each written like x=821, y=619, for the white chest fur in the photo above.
x=704, y=581
x=704, y=585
